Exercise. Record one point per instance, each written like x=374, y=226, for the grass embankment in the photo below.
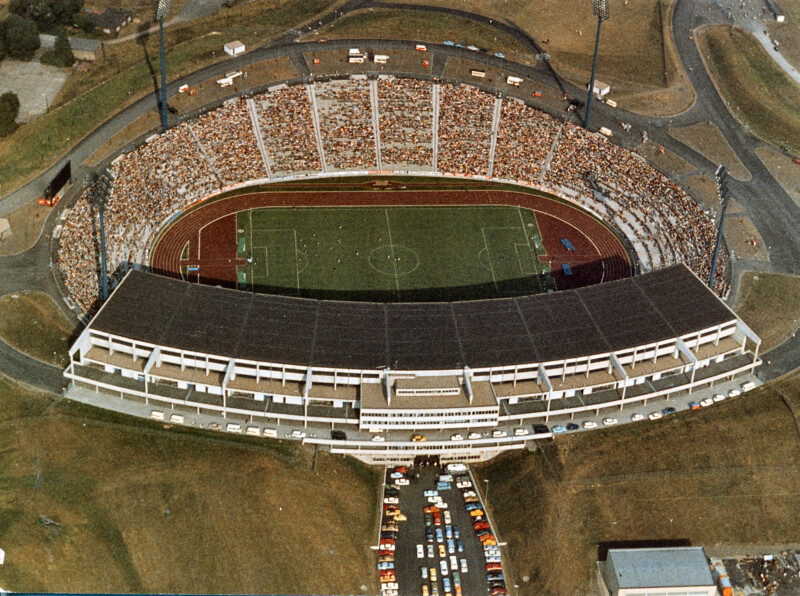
x=726, y=475
x=147, y=510
x=32, y=323
x=424, y=26
x=654, y=83
x=770, y=304
x=93, y=98
x=758, y=93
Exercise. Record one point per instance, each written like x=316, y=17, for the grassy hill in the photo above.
x=142, y=509
x=725, y=475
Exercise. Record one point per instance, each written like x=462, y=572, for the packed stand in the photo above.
x=524, y=138
x=465, y=130
x=345, y=120
x=287, y=129
x=151, y=183
x=227, y=137
x=584, y=161
x=405, y=108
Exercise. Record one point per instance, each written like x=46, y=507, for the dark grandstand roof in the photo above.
x=364, y=335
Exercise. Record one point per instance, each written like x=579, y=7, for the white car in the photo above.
x=469, y=493
x=430, y=551
x=453, y=563
x=402, y=482
x=518, y=432
x=435, y=499
x=589, y=424
x=637, y=417
x=379, y=438
x=424, y=572
x=443, y=567
x=719, y=397
x=420, y=551
x=298, y=434
x=499, y=433
x=706, y=402
x=463, y=565
x=609, y=421
x=456, y=437
x=447, y=518
x=464, y=484
x=654, y=415
x=391, y=586
x=473, y=436
x=748, y=386
x=734, y=393
x=391, y=500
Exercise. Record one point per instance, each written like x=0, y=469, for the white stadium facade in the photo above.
x=262, y=364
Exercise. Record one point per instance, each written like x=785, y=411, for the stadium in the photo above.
x=479, y=273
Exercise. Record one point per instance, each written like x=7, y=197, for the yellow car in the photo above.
x=399, y=517
x=442, y=552
x=476, y=512
x=418, y=438
x=432, y=574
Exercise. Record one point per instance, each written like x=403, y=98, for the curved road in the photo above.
x=775, y=215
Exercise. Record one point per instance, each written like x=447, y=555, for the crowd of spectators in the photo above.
x=345, y=120
x=405, y=109
x=226, y=135
x=524, y=138
x=465, y=130
x=173, y=170
x=585, y=162
x=287, y=129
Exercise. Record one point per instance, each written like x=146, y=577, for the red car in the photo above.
x=499, y=592
x=486, y=537
x=387, y=541
x=401, y=469
x=431, y=509
x=437, y=519
x=494, y=567
x=383, y=553
x=481, y=525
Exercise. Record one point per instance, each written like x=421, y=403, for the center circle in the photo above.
x=393, y=259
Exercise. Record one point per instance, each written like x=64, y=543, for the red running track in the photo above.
x=210, y=230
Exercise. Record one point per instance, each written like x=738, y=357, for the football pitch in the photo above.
x=390, y=253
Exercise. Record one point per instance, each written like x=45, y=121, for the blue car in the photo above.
x=449, y=531
x=668, y=411
x=448, y=43
x=472, y=506
x=456, y=533
x=429, y=534
x=385, y=566
x=459, y=546
x=559, y=429
x=446, y=582
x=451, y=547
x=499, y=55
x=439, y=536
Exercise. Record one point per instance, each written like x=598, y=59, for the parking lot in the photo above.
x=410, y=539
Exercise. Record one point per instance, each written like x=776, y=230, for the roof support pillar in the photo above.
x=154, y=359
x=387, y=385
x=468, y=383
x=617, y=365
x=307, y=386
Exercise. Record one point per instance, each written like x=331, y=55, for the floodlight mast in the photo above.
x=600, y=10
x=102, y=189
x=161, y=12
x=722, y=189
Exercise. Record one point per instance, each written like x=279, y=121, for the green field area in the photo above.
x=390, y=254
x=94, y=501
x=725, y=476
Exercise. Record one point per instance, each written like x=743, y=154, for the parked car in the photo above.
x=391, y=500
x=389, y=565
x=589, y=424
x=667, y=411
x=462, y=484
x=476, y=512
x=482, y=525
x=459, y=545
x=451, y=547
x=518, y=432
x=693, y=405
x=456, y=437
x=540, y=429
x=473, y=436
x=402, y=482
x=463, y=565
x=707, y=402
x=418, y=438
x=430, y=551
x=559, y=429
x=471, y=506
x=572, y=426
x=420, y=551
x=719, y=397
x=424, y=572
x=497, y=434
x=442, y=552
x=636, y=417
x=654, y=415
x=609, y=421
x=443, y=567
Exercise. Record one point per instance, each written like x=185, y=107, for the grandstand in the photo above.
x=387, y=125
x=181, y=350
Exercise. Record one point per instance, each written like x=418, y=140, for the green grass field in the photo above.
x=394, y=253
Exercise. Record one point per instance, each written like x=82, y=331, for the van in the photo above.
x=354, y=56
x=176, y=418
x=748, y=386
x=233, y=428
x=420, y=48
x=455, y=468
x=157, y=415
x=478, y=73
x=515, y=81
x=606, y=131
x=226, y=82
x=270, y=432
x=445, y=477
x=380, y=59
x=254, y=430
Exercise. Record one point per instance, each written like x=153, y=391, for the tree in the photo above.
x=9, y=108
x=2, y=40
x=22, y=37
x=47, y=14
x=61, y=55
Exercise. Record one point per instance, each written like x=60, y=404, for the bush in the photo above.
x=61, y=55
x=9, y=108
x=47, y=14
x=21, y=37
